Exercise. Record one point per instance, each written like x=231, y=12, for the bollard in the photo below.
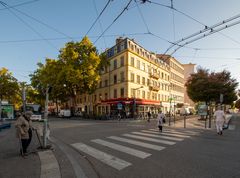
x=45, y=133
x=184, y=120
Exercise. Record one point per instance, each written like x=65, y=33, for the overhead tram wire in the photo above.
x=205, y=30
x=63, y=38
x=207, y=34
x=20, y=4
x=98, y=17
x=206, y=27
x=100, y=24
x=141, y=14
x=119, y=15
x=42, y=23
x=25, y=23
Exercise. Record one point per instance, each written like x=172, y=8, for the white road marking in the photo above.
x=231, y=127
x=108, y=159
x=149, y=139
x=158, y=136
x=49, y=165
x=138, y=143
x=176, y=132
x=168, y=134
x=131, y=151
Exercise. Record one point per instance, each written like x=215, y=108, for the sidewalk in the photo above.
x=38, y=164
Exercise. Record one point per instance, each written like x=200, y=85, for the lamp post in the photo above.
x=134, y=101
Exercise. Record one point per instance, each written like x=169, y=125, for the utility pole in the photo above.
x=45, y=123
x=24, y=98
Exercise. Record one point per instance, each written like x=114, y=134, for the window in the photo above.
x=138, y=93
x=148, y=82
x=132, y=61
x=122, y=61
x=132, y=92
x=122, y=92
x=106, y=83
x=106, y=96
x=138, y=79
x=115, y=64
x=95, y=97
x=148, y=95
x=143, y=80
x=115, y=79
x=132, y=77
x=100, y=97
x=115, y=93
x=100, y=84
x=143, y=66
x=143, y=94
x=138, y=64
x=122, y=76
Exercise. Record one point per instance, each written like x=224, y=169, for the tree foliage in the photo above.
x=9, y=88
x=75, y=71
x=206, y=86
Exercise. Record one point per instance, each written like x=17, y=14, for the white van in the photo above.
x=64, y=113
x=184, y=111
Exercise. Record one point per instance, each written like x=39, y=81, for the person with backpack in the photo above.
x=160, y=120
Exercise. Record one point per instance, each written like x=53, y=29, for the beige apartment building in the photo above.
x=135, y=82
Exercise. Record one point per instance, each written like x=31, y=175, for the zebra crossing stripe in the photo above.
x=181, y=131
x=175, y=132
x=168, y=134
x=131, y=151
x=158, y=136
x=108, y=159
x=138, y=143
x=149, y=139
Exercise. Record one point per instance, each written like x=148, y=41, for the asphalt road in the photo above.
x=94, y=149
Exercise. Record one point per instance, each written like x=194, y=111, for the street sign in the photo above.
x=202, y=110
x=119, y=106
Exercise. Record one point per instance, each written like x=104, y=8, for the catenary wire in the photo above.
x=99, y=21
x=25, y=23
x=119, y=15
x=98, y=17
x=20, y=4
x=42, y=23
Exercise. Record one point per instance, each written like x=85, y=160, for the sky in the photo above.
x=33, y=30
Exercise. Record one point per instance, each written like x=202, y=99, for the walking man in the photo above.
x=220, y=118
x=160, y=120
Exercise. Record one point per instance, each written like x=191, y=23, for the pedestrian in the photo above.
x=24, y=131
x=220, y=118
x=149, y=116
x=160, y=120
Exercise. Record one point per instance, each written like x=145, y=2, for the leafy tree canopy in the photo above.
x=9, y=88
x=206, y=86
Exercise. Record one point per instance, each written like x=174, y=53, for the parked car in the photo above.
x=64, y=113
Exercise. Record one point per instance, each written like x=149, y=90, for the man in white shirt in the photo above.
x=220, y=118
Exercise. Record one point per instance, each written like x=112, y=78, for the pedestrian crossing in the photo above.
x=149, y=139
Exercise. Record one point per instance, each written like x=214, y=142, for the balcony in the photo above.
x=154, y=88
x=154, y=75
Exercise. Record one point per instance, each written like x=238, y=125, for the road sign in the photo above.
x=119, y=106
x=202, y=110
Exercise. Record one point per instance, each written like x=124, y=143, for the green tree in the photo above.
x=9, y=88
x=205, y=86
x=81, y=67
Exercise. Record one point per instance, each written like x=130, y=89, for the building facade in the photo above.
x=135, y=82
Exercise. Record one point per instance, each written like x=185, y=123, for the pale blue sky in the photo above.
x=22, y=43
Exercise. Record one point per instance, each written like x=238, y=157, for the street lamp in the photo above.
x=134, y=100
